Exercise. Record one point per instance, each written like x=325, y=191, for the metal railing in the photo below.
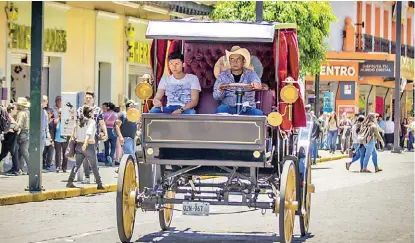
x=369, y=43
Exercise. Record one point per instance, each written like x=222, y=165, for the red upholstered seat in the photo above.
x=200, y=59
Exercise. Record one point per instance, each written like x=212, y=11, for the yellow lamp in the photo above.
x=274, y=119
x=133, y=115
x=289, y=94
x=143, y=91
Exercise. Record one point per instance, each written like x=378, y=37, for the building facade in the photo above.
x=358, y=75
x=88, y=46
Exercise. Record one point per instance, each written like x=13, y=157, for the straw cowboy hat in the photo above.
x=251, y=62
x=23, y=102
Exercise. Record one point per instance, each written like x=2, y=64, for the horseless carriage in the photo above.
x=263, y=159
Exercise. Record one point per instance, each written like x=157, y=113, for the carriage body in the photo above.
x=254, y=155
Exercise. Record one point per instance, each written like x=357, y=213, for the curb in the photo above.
x=327, y=159
x=54, y=194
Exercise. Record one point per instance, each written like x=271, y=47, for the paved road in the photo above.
x=347, y=207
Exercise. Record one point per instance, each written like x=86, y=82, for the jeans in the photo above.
x=332, y=138
x=169, y=109
x=110, y=145
x=410, y=141
x=129, y=146
x=370, y=151
x=360, y=154
x=60, y=158
x=314, y=150
x=90, y=155
x=245, y=111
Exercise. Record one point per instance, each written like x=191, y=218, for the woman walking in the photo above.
x=333, y=126
x=9, y=143
x=110, y=116
x=368, y=135
x=84, y=134
x=61, y=143
x=358, y=148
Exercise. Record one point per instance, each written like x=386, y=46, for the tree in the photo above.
x=313, y=20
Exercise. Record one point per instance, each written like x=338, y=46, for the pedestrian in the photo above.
x=345, y=131
x=127, y=131
x=22, y=120
x=389, y=132
x=48, y=149
x=316, y=133
x=411, y=132
x=381, y=124
x=58, y=105
x=110, y=116
x=403, y=132
x=9, y=141
x=368, y=135
x=333, y=126
x=84, y=135
x=358, y=148
x=61, y=143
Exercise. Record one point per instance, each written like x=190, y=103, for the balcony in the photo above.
x=369, y=43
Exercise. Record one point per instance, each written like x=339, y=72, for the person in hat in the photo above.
x=23, y=122
x=127, y=130
x=182, y=89
x=239, y=72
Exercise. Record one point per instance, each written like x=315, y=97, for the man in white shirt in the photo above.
x=182, y=90
x=389, y=130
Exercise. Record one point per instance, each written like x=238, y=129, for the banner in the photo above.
x=379, y=105
x=70, y=103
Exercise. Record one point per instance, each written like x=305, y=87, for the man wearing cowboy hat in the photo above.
x=239, y=72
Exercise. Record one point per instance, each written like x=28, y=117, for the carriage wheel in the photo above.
x=126, y=198
x=308, y=188
x=166, y=214
x=288, y=203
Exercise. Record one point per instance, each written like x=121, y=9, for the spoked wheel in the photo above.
x=288, y=203
x=166, y=214
x=308, y=188
x=126, y=198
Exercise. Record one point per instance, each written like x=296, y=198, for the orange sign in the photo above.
x=339, y=71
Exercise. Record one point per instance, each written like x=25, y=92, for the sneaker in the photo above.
x=100, y=187
x=109, y=161
x=86, y=181
x=70, y=185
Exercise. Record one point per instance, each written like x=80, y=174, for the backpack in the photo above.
x=4, y=120
x=363, y=134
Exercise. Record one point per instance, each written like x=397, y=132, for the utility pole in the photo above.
x=259, y=5
x=317, y=95
x=397, y=111
x=35, y=141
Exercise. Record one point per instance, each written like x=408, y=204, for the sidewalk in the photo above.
x=12, y=188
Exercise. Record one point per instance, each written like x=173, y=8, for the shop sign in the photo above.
x=328, y=101
x=347, y=90
x=377, y=68
x=407, y=68
x=20, y=38
x=339, y=71
x=138, y=52
x=348, y=109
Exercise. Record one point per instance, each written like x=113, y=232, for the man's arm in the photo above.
x=254, y=79
x=218, y=94
x=158, y=97
x=118, y=123
x=195, y=100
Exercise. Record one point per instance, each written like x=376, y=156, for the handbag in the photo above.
x=70, y=150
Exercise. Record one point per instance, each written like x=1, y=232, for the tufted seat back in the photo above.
x=200, y=59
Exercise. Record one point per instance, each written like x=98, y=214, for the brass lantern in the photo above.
x=144, y=90
x=289, y=94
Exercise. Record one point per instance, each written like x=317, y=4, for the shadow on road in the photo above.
x=321, y=168
x=188, y=236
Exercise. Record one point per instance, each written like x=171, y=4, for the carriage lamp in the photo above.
x=256, y=154
x=150, y=151
x=144, y=90
x=274, y=119
x=133, y=115
x=289, y=94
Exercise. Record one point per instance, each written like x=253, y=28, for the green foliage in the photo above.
x=313, y=19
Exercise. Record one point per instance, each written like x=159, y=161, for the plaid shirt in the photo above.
x=228, y=97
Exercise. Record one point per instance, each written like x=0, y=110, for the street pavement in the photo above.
x=347, y=207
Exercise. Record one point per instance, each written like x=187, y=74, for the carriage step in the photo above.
x=188, y=197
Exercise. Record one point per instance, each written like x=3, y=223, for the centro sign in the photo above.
x=338, y=71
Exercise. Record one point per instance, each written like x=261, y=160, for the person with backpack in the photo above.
x=368, y=135
x=359, y=149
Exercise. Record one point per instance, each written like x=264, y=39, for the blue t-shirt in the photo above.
x=178, y=91
x=58, y=134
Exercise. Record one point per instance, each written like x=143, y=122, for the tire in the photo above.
x=288, y=193
x=166, y=214
x=126, y=198
x=306, y=204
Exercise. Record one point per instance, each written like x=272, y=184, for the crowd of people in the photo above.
x=361, y=137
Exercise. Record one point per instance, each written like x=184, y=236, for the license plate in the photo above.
x=196, y=208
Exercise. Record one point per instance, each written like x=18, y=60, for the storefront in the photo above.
x=360, y=85
x=18, y=59
x=137, y=54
